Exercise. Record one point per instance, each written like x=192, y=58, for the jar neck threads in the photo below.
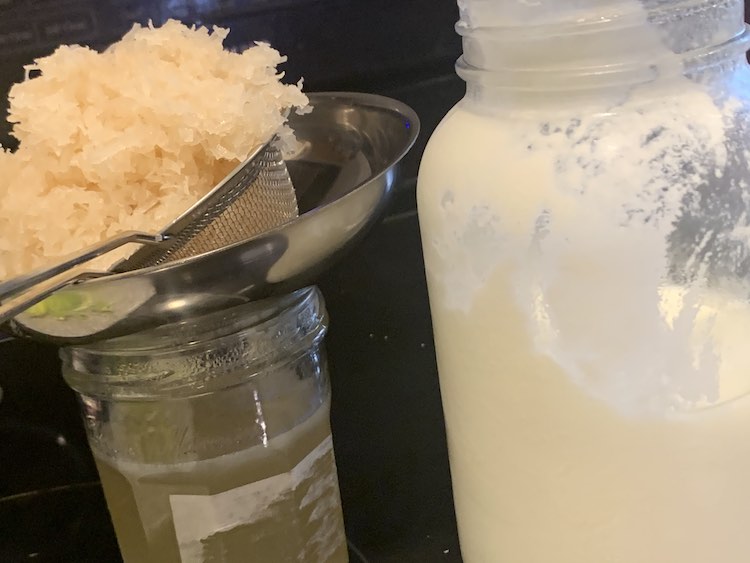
x=214, y=351
x=548, y=45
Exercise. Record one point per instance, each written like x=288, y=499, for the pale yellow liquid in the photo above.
x=303, y=524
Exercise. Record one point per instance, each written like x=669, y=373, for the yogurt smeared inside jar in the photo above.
x=585, y=255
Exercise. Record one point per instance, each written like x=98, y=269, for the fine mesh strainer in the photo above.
x=255, y=197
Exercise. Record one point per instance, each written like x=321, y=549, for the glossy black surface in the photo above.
x=387, y=417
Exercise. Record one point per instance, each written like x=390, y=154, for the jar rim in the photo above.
x=610, y=75
x=188, y=357
x=597, y=22
x=593, y=50
x=245, y=316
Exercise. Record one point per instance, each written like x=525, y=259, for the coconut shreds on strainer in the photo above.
x=129, y=138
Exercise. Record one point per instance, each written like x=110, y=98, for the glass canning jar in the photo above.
x=212, y=436
x=585, y=215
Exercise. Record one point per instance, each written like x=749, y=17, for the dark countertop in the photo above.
x=387, y=417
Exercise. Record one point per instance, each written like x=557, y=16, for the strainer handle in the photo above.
x=18, y=304
x=22, y=292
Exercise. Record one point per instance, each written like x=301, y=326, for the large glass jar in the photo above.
x=212, y=436
x=585, y=215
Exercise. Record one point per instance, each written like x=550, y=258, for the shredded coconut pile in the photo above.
x=129, y=138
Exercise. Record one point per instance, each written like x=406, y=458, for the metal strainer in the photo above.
x=344, y=173
x=255, y=197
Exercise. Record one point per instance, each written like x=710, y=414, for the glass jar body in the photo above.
x=212, y=438
x=587, y=265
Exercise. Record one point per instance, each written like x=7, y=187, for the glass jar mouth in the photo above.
x=607, y=19
x=199, y=355
x=552, y=30
x=205, y=329
x=590, y=44
x=618, y=74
